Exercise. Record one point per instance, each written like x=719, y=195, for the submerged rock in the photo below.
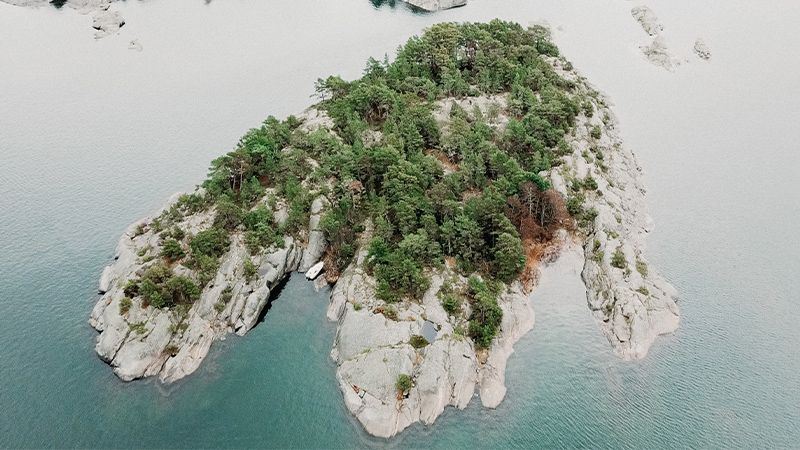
x=658, y=54
x=135, y=45
x=701, y=49
x=106, y=23
x=647, y=19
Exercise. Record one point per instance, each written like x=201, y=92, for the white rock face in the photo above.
x=105, y=280
x=436, y=5
x=316, y=237
x=631, y=302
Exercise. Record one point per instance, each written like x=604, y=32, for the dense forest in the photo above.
x=468, y=194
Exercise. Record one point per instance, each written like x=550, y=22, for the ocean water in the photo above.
x=94, y=136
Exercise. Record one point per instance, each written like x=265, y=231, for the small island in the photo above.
x=428, y=192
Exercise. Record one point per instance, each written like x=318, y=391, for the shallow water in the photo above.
x=94, y=136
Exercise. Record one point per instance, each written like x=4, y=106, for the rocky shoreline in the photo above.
x=104, y=20
x=378, y=343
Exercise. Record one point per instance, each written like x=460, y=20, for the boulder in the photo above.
x=647, y=19
x=701, y=49
x=105, y=280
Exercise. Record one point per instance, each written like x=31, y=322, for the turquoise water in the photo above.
x=94, y=136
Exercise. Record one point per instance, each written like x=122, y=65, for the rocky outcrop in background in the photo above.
x=105, y=21
x=436, y=5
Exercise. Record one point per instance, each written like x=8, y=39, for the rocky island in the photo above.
x=428, y=193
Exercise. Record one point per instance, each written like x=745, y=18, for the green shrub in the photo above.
x=618, y=259
x=404, y=383
x=175, y=233
x=138, y=327
x=131, y=288
x=249, y=269
x=598, y=256
x=418, y=341
x=212, y=242
x=172, y=250
x=171, y=350
x=229, y=214
x=179, y=327
x=160, y=288
x=590, y=183
x=484, y=323
x=643, y=290
x=125, y=305
x=206, y=267
x=451, y=303
x=641, y=267
x=596, y=132
x=390, y=312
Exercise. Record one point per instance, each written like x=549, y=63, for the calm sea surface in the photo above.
x=94, y=136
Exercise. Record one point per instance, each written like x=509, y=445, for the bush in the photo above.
x=125, y=305
x=171, y=350
x=486, y=313
x=451, y=303
x=250, y=270
x=404, y=383
x=641, y=267
x=160, y=288
x=618, y=259
x=590, y=183
x=172, y=250
x=390, y=312
x=212, y=242
x=596, y=132
x=138, y=327
x=131, y=288
x=418, y=341
x=206, y=267
x=229, y=214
